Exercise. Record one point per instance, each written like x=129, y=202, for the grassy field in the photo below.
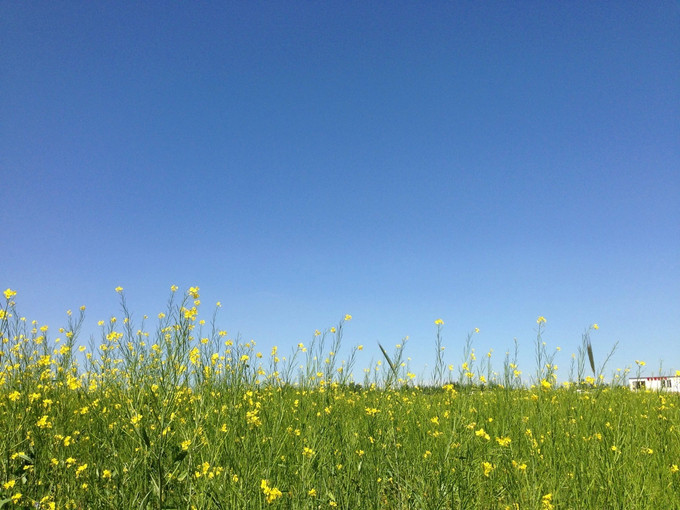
x=182, y=416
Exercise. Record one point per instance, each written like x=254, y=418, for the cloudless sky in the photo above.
x=480, y=162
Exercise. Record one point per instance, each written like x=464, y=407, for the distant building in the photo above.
x=661, y=383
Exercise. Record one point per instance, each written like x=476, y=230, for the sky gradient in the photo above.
x=482, y=163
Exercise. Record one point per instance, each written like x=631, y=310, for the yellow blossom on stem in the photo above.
x=271, y=493
x=487, y=467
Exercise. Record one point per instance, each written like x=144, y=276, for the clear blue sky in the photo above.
x=480, y=162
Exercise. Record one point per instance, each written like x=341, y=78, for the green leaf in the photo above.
x=394, y=369
x=591, y=358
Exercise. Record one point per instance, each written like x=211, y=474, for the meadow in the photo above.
x=179, y=415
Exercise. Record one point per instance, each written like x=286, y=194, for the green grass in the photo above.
x=186, y=418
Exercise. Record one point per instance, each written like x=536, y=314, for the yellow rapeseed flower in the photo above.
x=541, y=320
x=271, y=493
x=503, y=441
x=546, y=501
x=9, y=294
x=487, y=467
x=439, y=322
x=80, y=469
x=119, y=289
x=482, y=433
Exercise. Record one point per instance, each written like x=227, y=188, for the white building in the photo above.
x=660, y=383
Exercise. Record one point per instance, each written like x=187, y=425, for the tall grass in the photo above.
x=182, y=416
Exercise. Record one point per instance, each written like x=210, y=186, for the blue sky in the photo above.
x=483, y=163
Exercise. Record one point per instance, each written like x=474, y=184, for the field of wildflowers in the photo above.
x=178, y=415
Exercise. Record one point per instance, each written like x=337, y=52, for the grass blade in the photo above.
x=394, y=369
x=591, y=358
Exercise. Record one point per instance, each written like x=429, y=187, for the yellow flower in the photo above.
x=193, y=292
x=595, y=326
x=186, y=444
x=487, y=467
x=106, y=474
x=9, y=484
x=503, y=441
x=14, y=396
x=16, y=498
x=43, y=422
x=439, y=322
x=311, y=493
x=136, y=419
x=640, y=363
x=307, y=452
x=271, y=493
x=9, y=294
x=675, y=468
x=119, y=289
x=546, y=501
x=348, y=317
x=173, y=288
x=482, y=433
x=252, y=418
x=541, y=320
